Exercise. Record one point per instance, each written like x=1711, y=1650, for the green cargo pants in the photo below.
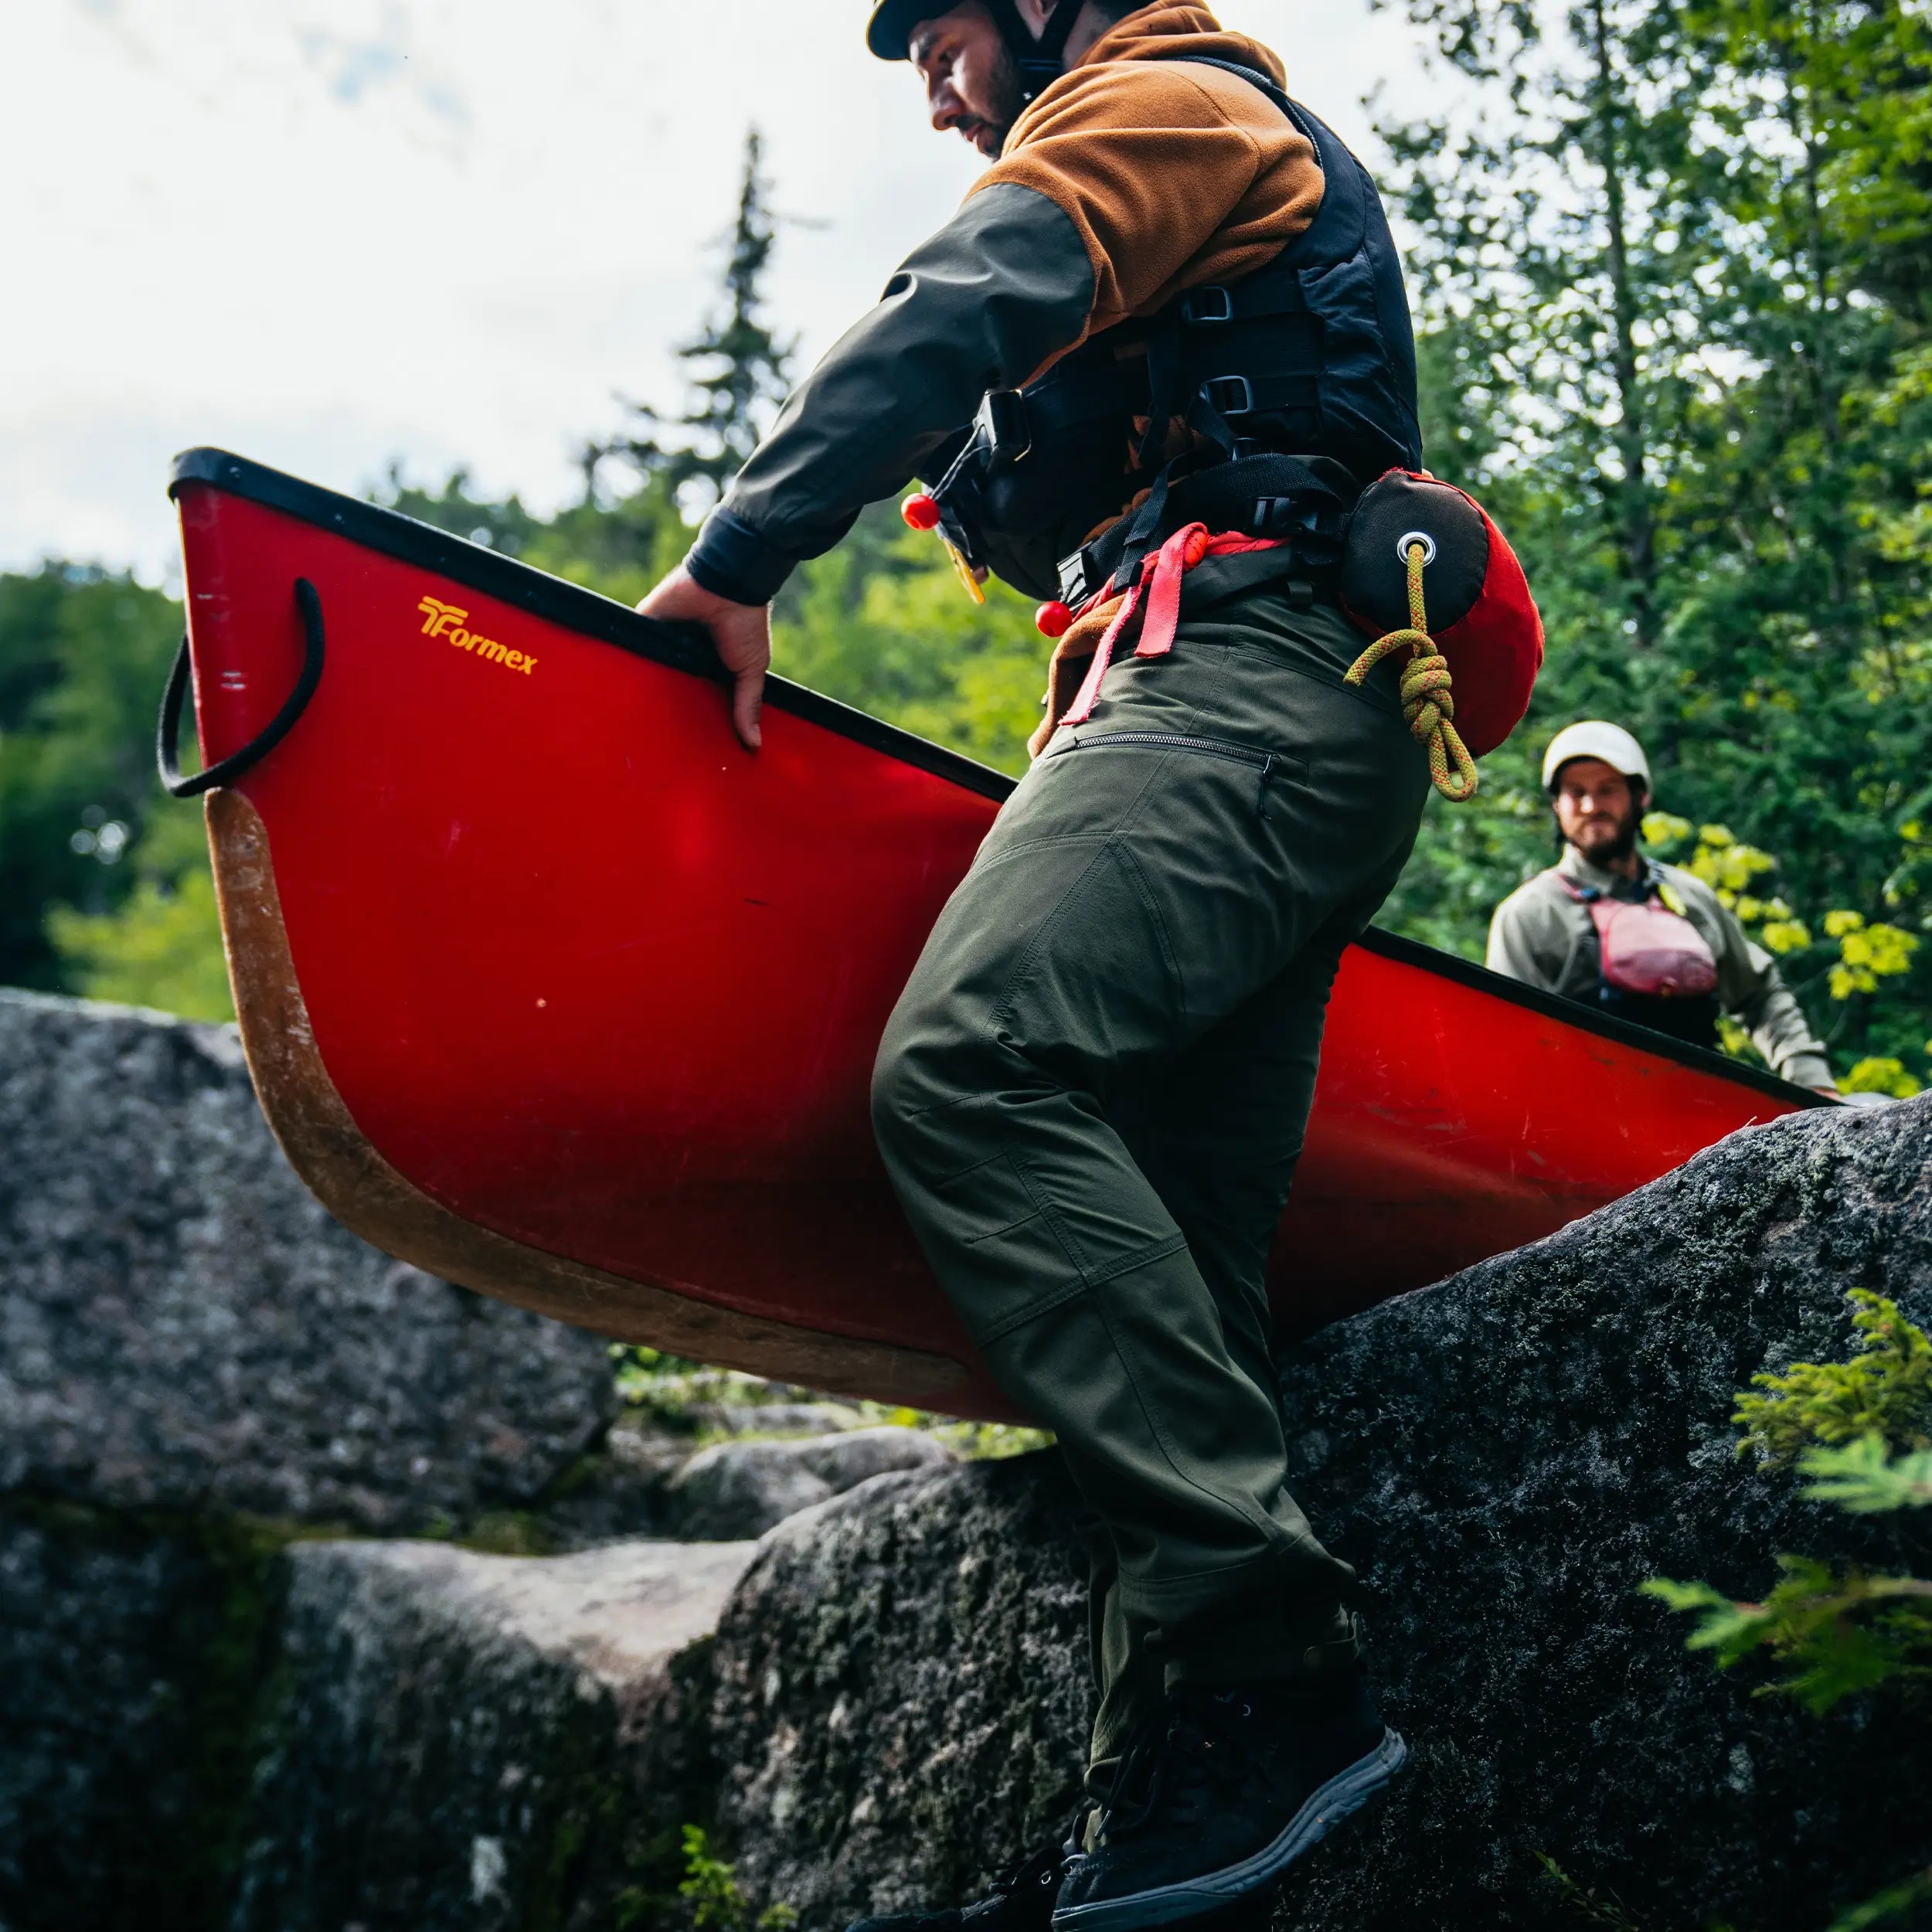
x=1092, y=1095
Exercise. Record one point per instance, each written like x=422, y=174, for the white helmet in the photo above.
x=1595, y=738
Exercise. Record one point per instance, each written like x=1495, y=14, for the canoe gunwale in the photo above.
x=685, y=648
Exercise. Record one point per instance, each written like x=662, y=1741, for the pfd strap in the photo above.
x=1156, y=585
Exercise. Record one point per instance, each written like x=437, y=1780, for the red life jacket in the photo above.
x=1643, y=947
x=1654, y=967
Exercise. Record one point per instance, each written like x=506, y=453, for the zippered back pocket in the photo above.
x=1267, y=766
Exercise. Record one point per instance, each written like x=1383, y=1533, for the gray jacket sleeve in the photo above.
x=1752, y=991
x=1527, y=940
x=1000, y=289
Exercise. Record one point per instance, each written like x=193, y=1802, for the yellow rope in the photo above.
x=1427, y=703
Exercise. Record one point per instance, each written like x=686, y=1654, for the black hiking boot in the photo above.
x=1021, y=1900
x=1220, y=1795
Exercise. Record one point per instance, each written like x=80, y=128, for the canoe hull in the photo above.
x=549, y=986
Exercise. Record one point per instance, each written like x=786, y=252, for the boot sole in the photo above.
x=1340, y=1798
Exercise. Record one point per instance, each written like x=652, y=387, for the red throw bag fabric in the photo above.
x=1480, y=612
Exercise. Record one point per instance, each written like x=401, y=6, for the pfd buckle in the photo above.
x=1194, y=307
x=1003, y=426
x=1237, y=391
x=1076, y=583
x=1280, y=515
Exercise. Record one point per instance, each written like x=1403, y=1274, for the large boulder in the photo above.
x=740, y=1489
x=900, y=1683
x=1507, y=1457
x=483, y=1743
x=900, y=1688
x=183, y=1326
x=196, y=1363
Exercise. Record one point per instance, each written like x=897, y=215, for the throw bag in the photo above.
x=1480, y=614
x=1651, y=950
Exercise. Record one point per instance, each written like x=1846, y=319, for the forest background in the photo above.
x=1672, y=272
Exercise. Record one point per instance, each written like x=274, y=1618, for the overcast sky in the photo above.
x=331, y=233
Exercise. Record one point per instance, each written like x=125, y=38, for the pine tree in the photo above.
x=1671, y=277
x=739, y=368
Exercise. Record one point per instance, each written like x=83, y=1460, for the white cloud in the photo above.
x=330, y=233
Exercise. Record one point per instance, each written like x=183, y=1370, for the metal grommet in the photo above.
x=1415, y=536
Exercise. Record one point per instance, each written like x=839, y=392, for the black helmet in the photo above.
x=1039, y=61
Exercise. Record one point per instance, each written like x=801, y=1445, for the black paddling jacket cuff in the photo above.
x=1005, y=286
x=731, y=560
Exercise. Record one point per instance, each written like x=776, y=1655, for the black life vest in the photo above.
x=1310, y=358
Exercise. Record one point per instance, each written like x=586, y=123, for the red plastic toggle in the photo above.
x=1053, y=619
x=920, y=511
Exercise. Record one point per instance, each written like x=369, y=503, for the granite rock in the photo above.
x=737, y=1489
x=132, y=1653
x=900, y=1688
x=1507, y=1457
x=486, y=1744
x=183, y=1326
x=196, y=1362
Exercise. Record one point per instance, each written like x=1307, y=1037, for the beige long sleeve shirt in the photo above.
x=1542, y=937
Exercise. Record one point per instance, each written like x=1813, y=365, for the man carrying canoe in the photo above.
x=1146, y=370
x=1653, y=943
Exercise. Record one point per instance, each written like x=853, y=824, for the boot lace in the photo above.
x=1179, y=1763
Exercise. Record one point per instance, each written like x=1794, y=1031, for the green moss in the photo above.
x=508, y=1532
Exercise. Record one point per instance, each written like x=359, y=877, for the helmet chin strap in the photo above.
x=1041, y=62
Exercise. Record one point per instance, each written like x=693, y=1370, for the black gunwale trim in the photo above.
x=1465, y=972
x=685, y=647
x=680, y=646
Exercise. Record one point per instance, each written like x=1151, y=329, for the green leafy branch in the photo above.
x=710, y=1886
x=1840, y=1422
x=1863, y=1479
x=1893, y=1903
x=1843, y=1634
x=1885, y=1390
x=1858, y=1433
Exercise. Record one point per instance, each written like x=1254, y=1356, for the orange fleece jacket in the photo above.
x=1174, y=174
x=1132, y=178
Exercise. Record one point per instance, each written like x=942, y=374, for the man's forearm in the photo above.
x=1784, y=1036
x=1780, y=1031
x=1005, y=286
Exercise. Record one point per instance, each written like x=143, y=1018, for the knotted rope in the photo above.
x=1427, y=703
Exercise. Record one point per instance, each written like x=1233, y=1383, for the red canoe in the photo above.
x=548, y=987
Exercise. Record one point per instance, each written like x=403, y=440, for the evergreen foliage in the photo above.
x=739, y=369
x=83, y=826
x=709, y=1888
x=1858, y=1431
x=1883, y=1394
x=1672, y=267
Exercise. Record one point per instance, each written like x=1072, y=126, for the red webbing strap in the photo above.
x=1159, y=578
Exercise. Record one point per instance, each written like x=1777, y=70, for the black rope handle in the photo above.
x=167, y=734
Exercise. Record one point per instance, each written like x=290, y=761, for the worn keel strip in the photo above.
x=339, y=1164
